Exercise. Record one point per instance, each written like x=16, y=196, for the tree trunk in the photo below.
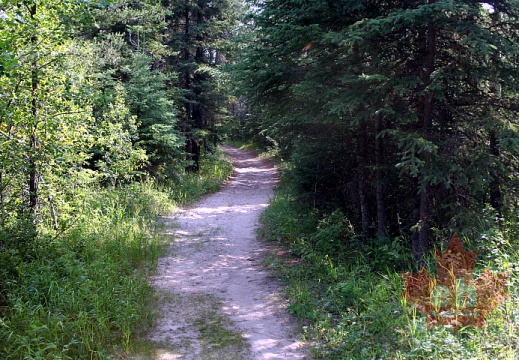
x=421, y=241
x=496, y=199
x=2, y=198
x=33, y=177
x=198, y=84
x=194, y=82
x=362, y=176
x=380, y=182
x=187, y=124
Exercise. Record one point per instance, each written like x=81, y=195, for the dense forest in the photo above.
x=402, y=115
x=395, y=125
x=109, y=115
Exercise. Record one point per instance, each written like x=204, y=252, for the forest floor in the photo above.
x=216, y=300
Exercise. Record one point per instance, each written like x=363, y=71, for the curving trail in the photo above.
x=217, y=301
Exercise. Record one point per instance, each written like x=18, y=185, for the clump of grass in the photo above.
x=217, y=333
x=80, y=292
x=285, y=220
x=347, y=290
x=202, y=330
x=215, y=168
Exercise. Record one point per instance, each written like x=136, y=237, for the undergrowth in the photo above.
x=347, y=290
x=187, y=187
x=77, y=294
x=81, y=292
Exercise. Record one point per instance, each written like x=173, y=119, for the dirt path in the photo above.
x=218, y=302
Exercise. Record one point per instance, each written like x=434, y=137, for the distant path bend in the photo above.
x=216, y=255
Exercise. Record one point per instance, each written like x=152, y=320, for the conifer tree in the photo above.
x=402, y=111
x=198, y=38
x=129, y=37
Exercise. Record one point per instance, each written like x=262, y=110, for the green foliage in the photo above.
x=155, y=110
x=347, y=290
x=89, y=125
x=132, y=92
x=113, y=154
x=200, y=33
x=286, y=220
x=395, y=113
x=82, y=293
x=92, y=93
x=45, y=110
x=187, y=187
x=89, y=99
x=332, y=232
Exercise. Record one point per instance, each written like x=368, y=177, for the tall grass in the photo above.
x=214, y=169
x=347, y=291
x=82, y=293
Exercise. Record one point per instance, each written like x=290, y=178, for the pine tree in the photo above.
x=198, y=37
x=129, y=37
x=408, y=90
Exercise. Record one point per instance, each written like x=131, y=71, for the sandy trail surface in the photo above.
x=217, y=300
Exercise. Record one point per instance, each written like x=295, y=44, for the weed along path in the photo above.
x=217, y=301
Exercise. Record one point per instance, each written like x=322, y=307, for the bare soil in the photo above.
x=217, y=301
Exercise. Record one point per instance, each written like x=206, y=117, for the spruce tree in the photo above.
x=198, y=38
x=404, y=111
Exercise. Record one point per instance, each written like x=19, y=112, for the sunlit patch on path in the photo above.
x=213, y=281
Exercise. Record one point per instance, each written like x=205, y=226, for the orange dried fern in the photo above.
x=454, y=298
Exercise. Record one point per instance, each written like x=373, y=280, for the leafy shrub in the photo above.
x=215, y=168
x=333, y=234
x=80, y=291
x=286, y=220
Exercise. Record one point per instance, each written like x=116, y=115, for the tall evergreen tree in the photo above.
x=198, y=37
x=403, y=111
x=129, y=37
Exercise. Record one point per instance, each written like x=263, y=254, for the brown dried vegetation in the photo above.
x=454, y=298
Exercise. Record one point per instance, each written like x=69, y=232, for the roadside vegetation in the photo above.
x=109, y=117
x=347, y=289
x=82, y=292
x=397, y=128
x=397, y=123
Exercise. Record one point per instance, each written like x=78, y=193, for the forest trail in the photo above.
x=217, y=301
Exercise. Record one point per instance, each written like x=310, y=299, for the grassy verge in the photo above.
x=82, y=293
x=347, y=291
x=214, y=169
x=79, y=294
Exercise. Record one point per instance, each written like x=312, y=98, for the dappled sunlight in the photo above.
x=265, y=345
x=254, y=170
x=216, y=253
x=204, y=212
x=167, y=355
x=214, y=269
